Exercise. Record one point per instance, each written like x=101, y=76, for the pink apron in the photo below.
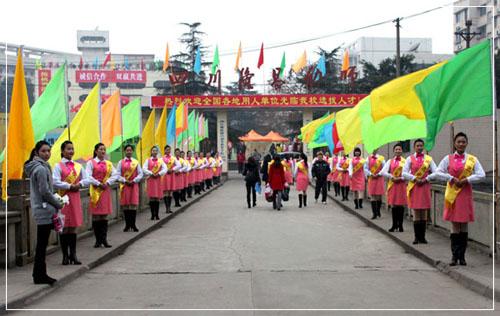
x=129, y=194
x=358, y=177
x=396, y=195
x=462, y=211
x=375, y=185
x=420, y=195
x=72, y=211
x=104, y=205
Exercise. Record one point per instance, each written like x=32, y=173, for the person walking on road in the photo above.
x=252, y=177
x=277, y=181
x=343, y=176
x=301, y=174
x=320, y=170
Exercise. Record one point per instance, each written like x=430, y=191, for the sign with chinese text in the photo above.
x=271, y=101
x=121, y=76
x=44, y=76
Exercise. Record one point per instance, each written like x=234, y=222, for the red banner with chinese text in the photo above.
x=272, y=100
x=122, y=76
x=44, y=76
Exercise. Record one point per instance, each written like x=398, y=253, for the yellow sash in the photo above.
x=419, y=174
x=302, y=167
x=170, y=163
x=358, y=166
x=72, y=177
x=128, y=173
x=452, y=192
x=377, y=164
x=397, y=173
x=95, y=192
x=211, y=160
x=344, y=167
x=287, y=166
x=157, y=167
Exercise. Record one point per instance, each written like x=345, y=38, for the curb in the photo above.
x=29, y=298
x=462, y=279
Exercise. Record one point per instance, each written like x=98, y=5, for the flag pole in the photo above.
x=66, y=97
x=121, y=122
x=140, y=133
x=100, y=111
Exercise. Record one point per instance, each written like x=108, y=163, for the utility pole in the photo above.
x=398, y=48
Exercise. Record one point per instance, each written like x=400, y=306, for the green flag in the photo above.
x=205, y=126
x=49, y=110
x=131, y=119
x=215, y=62
x=195, y=130
x=191, y=118
x=390, y=129
x=282, y=66
x=460, y=89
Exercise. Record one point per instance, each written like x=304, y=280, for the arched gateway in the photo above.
x=221, y=104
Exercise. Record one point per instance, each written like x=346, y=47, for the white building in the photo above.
x=481, y=14
x=376, y=49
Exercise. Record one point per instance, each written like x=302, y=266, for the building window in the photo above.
x=482, y=31
x=481, y=11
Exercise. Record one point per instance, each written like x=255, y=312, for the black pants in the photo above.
x=320, y=187
x=251, y=189
x=240, y=167
x=42, y=240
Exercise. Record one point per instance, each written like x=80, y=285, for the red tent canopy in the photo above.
x=252, y=136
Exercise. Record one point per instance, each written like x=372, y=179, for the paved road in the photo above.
x=219, y=254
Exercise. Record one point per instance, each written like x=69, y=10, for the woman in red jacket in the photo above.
x=277, y=181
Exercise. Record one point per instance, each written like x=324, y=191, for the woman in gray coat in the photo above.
x=43, y=206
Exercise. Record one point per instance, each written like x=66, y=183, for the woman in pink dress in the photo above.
x=301, y=173
x=102, y=175
x=459, y=170
x=418, y=172
x=343, y=176
x=333, y=176
x=184, y=177
x=69, y=177
x=209, y=170
x=131, y=174
x=154, y=168
x=287, y=163
x=192, y=173
x=196, y=173
x=202, y=165
x=373, y=167
x=168, y=178
x=357, y=177
x=396, y=187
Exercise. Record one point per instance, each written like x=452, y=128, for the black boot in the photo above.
x=379, y=207
x=165, y=200
x=305, y=199
x=202, y=185
x=347, y=193
x=249, y=204
x=394, y=211
x=126, y=218
x=105, y=234
x=176, y=199
x=72, y=250
x=336, y=185
x=329, y=184
x=169, y=204
x=152, y=209
x=157, y=210
x=96, y=227
x=356, y=204
x=183, y=195
x=374, y=210
x=360, y=203
x=190, y=191
x=463, y=239
x=400, y=213
x=342, y=190
x=133, y=215
x=300, y=200
x=423, y=228
x=63, y=240
x=416, y=230
x=455, y=249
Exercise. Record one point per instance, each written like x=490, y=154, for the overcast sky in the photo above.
x=146, y=26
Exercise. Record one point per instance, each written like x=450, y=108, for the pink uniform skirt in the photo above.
x=104, y=205
x=376, y=186
x=73, y=211
x=130, y=195
x=420, y=197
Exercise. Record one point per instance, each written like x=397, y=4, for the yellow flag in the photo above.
x=349, y=126
x=238, y=57
x=84, y=129
x=20, y=136
x=161, y=130
x=300, y=63
x=399, y=97
x=147, y=138
x=311, y=129
x=165, y=62
x=111, y=121
x=345, y=61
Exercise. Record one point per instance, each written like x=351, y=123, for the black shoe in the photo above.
x=63, y=240
x=416, y=229
x=96, y=226
x=360, y=203
x=392, y=229
x=356, y=204
x=254, y=204
x=305, y=200
x=423, y=226
x=44, y=280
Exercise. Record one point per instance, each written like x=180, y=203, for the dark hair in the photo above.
x=460, y=134
x=177, y=149
x=251, y=160
x=96, y=147
x=34, y=151
x=63, y=146
x=127, y=146
x=418, y=141
x=304, y=157
x=397, y=145
x=189, y=152
x=277, y=160
x=357, y=150
x=154, y=147
x=166, y=146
